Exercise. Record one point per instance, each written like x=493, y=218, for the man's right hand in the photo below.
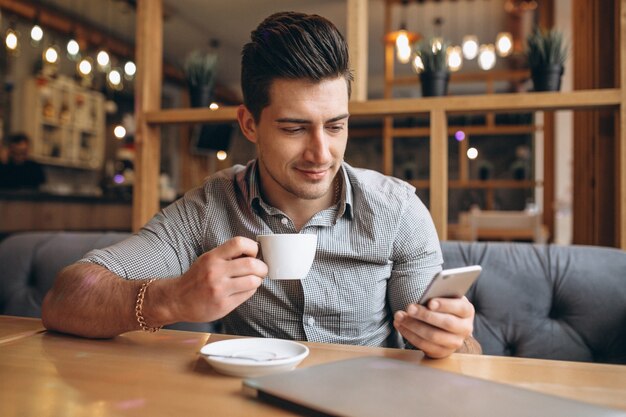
x=219, y=281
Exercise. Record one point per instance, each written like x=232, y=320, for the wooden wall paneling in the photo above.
x=149, y=56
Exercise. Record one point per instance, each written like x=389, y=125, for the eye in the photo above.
x=292, y=130
x=335, y=128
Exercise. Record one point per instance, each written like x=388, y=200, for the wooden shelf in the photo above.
x=584, y=99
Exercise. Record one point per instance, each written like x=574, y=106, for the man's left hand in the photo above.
x=438, y=329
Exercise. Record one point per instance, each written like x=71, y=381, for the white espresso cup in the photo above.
x=288, y=256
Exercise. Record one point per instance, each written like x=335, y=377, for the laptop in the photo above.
x=379, y=386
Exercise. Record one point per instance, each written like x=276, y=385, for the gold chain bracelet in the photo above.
x=139, y=308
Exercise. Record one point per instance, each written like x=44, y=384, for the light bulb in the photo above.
x=472, y=153
x=504, y=44
x=454, y=57
x=51, y=55
x=73, y=48
x=487, y=57
x=214, y=106
x=402, y=39
x=114, y=77
x=119, y=131
x=403, y=54
x=11, y=40
x=36, y=33
x=85, y=67
x=470, y=47
x=103, y=59
x=403, y=49
x=130, y=69
x=221, y=155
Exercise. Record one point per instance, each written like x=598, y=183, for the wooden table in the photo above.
x=142, y=374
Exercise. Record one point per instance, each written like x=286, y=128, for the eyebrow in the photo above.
x=305, y=121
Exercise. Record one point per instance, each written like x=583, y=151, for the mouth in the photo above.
x=314, y=173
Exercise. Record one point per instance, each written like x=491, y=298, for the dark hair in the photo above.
x=293, y=46
x=17, y=138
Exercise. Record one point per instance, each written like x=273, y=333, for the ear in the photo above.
x=247, y=123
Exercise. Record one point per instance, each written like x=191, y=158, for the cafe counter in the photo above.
x=33, y=210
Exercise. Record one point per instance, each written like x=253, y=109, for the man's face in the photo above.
x=300, y=137
x=18, y=152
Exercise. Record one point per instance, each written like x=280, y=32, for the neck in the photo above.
x=299, y=210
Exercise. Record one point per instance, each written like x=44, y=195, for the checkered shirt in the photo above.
x=377, y=250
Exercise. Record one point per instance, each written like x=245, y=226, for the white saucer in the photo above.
x=252, y=357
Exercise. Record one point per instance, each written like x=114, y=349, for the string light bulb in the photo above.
x=470, y=47
x=85, y=67
x=119, y=132
x=454, y=57
x=51, y=55
x=103, y=59
x=487, y=57
x=221, y=155
x=36, y=33
x=130, y=69
x=504, y=44
x=11, y=40
x=114, y=78
x=73, y=48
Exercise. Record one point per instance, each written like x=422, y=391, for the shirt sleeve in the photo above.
x=165, y=247
x=416, y=255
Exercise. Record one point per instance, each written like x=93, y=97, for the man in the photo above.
x=377, y=246
x=18, y=171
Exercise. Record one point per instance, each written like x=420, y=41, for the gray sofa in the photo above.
x=540, y=301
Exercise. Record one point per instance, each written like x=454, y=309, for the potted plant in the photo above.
x=200, y=71
x=432, y=66
x=546, y=53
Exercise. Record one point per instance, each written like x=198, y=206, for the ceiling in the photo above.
x=191, y=24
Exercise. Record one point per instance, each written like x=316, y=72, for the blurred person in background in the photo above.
x=16, y=170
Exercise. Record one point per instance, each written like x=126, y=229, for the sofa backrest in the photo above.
x=29, y=263
x=540, y=301
x=547, y=301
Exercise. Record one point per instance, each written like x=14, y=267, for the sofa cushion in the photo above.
x=547, y=301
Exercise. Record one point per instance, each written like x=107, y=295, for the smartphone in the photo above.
x=451, y=283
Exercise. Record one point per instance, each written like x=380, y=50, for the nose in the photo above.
x=318, y=147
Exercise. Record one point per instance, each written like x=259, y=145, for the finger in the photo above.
x=443, y=321
x=430, y=349
x=243, y=284
x=247, y=266
x=429, y=332
x=432, y=340
x=237, y=247
x=460, y=307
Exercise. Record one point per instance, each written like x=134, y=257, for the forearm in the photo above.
x=470, y=345
x=89, y=300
